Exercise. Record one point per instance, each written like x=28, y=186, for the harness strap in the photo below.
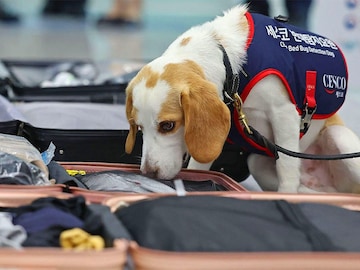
x=231, y=83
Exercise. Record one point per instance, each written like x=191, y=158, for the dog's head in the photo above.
x=178, y=111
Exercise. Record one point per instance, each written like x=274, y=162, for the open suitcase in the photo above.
x=112, y=258
x=68, y=81
x=220, y=180
x=208, y=181
x=153, y=259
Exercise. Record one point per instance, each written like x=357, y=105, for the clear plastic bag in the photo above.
x=15, y=171
x=22, y=149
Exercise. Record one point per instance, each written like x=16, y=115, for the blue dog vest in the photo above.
x=312, y=68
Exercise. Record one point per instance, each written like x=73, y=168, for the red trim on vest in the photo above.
x=251, y=29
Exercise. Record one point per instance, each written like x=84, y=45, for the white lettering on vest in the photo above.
x=334, y=82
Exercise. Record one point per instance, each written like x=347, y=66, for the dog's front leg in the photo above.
x=286, y=134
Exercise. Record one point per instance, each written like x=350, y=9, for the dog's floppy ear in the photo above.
x=207, y=121
x=130, y=140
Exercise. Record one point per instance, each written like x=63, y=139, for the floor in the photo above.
x=43, y=38
x=38, y=37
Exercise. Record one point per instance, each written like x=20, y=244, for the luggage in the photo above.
x=195, y=181
x=93, y=145
x=195, y=177
x=75, y=139
x=70, y=81
x=147, y=258
x=114, y=257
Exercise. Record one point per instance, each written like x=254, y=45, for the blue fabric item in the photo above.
x=46, y=218
x=288, y=52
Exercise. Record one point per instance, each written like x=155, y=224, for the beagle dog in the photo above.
x=289, y=81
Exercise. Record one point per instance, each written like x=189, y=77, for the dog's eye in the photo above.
x=166, y=126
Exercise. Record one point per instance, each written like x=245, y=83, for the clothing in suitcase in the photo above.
x=31, y=239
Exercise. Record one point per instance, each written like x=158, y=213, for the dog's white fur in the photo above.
x=184, y=87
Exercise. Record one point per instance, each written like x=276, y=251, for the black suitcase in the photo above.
x=70, y=81
x=109, y=146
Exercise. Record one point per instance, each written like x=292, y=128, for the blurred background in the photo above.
x=98, y=30
x=38, y=36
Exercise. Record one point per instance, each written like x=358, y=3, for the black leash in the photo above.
x=317, y=157
x=274, y=148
